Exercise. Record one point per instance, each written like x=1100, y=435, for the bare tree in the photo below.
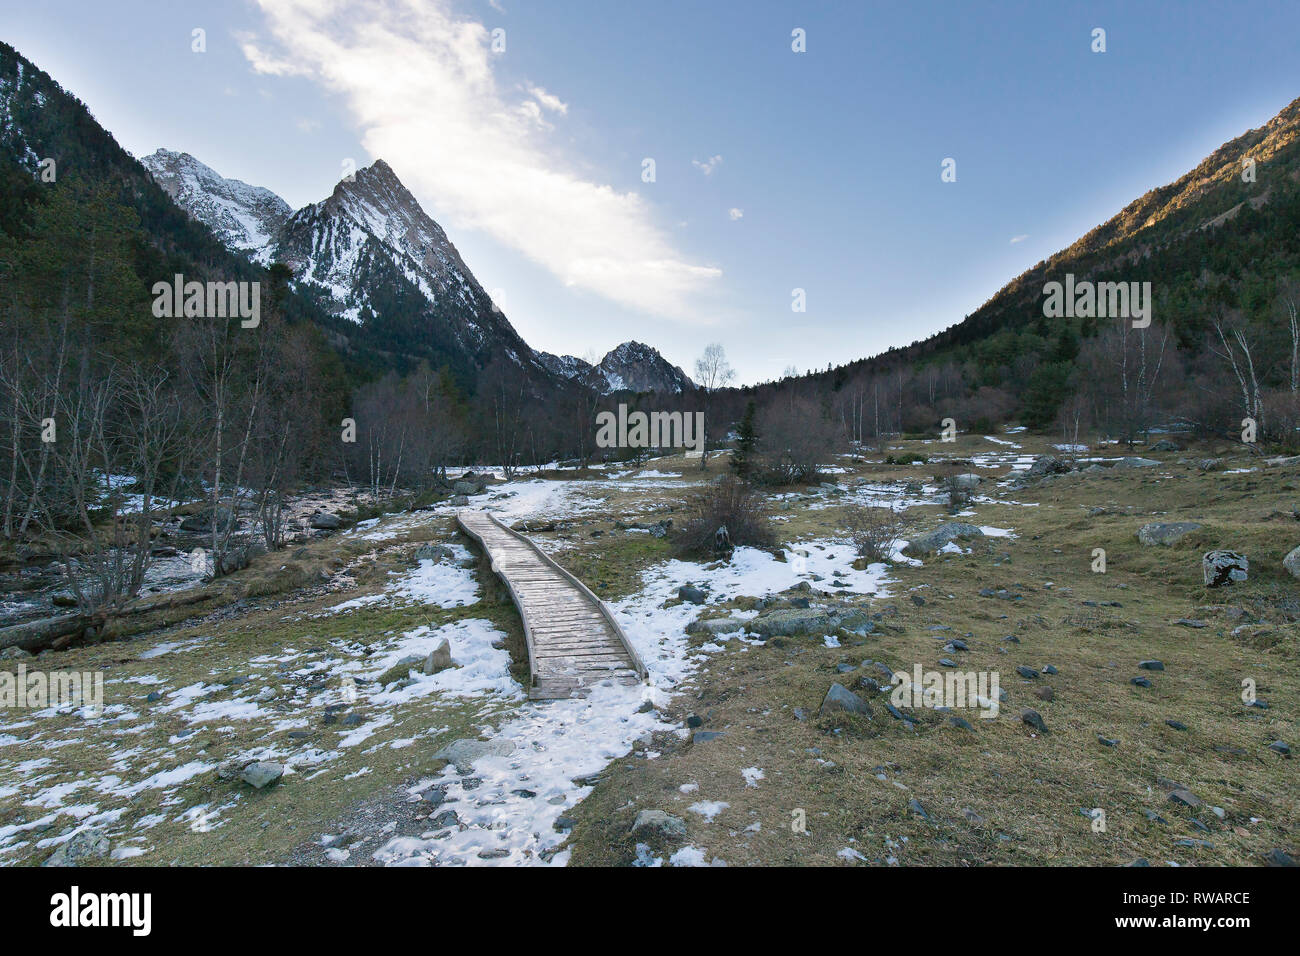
x=712, y=371
x=1236, y=349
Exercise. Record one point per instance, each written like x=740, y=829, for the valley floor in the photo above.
x=729, y=736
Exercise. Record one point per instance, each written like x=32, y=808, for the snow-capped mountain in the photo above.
x=631, y=366
x=368, y=254
x=245, y=218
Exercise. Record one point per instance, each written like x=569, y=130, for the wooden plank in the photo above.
x=573, y=641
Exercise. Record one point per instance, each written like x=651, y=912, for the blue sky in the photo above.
x=829, y=172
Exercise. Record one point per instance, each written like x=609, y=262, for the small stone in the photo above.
x=1278, y=857
x=1034, y=719
x=1151, y=665
x=1107, y=741
x=447, y=818
x=261, y=773
x=961, y=722
x=1281, y=747
x=691, y=594
x=915, y=806
x=1176, y=724
x=1026, y=672
x=1186, y=798
x=1140, y=681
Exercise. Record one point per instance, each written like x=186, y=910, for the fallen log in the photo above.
x=36, y=635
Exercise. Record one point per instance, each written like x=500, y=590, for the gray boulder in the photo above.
x=1133, y=462
x=1165, y=445
x=325, y=521
x=716, y=625
x=86, y=845
x=1292, y=563
x=261, y=773
x=933, y=541
x=434, y=552
x=793, y=621
x=464, y=752
x=1166, y=533
x=467, y=488
x=401, y=669
x=458, y=501
x=839, y=699
x=656, y=823
x=202, y=521
x=691, y=594
x=967, y=482
x=1223, y=567
x=439, y=659
x=1047, y=465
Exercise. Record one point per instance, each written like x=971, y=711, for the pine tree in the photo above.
x=742, y=458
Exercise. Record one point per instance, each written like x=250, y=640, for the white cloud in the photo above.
x=549, y=100
x=1015, y=239
x=708, y=166
x=419, y=82
x=307, y=125
x=736, y=214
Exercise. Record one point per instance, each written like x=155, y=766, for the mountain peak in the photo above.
x=631, y=366
x=244, y=217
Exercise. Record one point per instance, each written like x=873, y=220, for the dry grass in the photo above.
x=1001, y=794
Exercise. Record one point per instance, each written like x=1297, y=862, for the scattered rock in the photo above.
x=1185, y=798
x=1281, y=747
x=86, y=845
x=434, y=552
x=1165, y=533
x=934, y=540
x=323, y=521
x=840, y=698
x=465, y=751
x=1132, y=462
x=1292, y=563
x=660, y=824
x=439, y=659
x=691, y=594
x=1034, y=719
x=1151, y=665
x=1223, y=567
x=261, y=773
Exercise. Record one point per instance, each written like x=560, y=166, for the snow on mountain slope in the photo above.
x=245, y=218
x=631, y=366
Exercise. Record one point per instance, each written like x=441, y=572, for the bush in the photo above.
x=730, y=503
x=874, y=531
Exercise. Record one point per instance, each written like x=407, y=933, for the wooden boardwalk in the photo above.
x=573, y=639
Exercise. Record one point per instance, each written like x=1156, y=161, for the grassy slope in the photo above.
x=1024, y=792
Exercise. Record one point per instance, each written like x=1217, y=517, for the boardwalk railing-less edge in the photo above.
x=573, y=639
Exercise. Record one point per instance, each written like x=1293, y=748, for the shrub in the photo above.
x=730, y=503
x=874, y=531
